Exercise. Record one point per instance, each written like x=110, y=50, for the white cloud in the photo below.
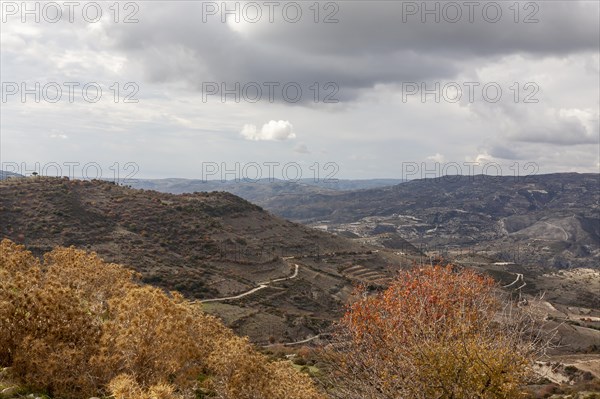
x=437, y=157
x=484, y=158
x=271, y=131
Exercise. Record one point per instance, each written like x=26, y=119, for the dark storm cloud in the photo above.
x=376, y=42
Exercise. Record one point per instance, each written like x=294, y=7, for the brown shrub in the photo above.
x=20, y=275
x=125, y=386
x=242, y=373
x=76, y=326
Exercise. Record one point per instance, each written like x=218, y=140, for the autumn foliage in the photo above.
x=75, y=326
x=436, y=332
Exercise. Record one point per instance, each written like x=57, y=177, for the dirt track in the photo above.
x=261, y=286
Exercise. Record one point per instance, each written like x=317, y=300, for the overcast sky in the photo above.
x=340, y=85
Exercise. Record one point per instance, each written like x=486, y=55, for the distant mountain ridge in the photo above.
x=495, y=194
x=551, y=219
x=259, y=191
x=6, y=175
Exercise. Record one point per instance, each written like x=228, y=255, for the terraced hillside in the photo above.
x=205, y=245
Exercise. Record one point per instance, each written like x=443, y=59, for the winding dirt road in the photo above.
x=519, y=278
x=304, y=341
x=261, y=286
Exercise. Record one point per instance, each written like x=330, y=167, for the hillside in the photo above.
x=549, y=220
x=205, y=245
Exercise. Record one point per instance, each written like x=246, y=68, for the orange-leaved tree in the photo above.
x=436, y=332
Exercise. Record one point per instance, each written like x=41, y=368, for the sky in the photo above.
x=306, y=89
